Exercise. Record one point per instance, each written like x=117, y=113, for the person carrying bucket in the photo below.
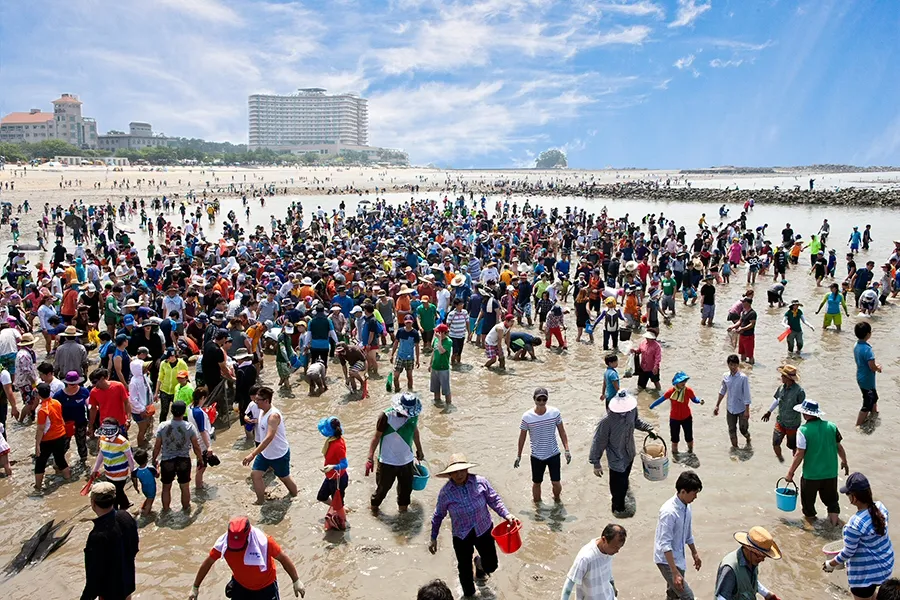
x=673, y=533
x=396, y=430
x=818, y=448
x=788, y=395
x=680, y=413
x=614, y=436
x=467, y=497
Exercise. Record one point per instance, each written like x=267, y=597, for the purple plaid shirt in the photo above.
x=468, y=507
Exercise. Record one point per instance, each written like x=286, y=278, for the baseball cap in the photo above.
x=855, y=483
x=103, y=492
x=238, y=532
x=128, y=320
x=541, y=392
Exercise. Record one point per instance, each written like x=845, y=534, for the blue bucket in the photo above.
x=786, y=497
x=421, y=474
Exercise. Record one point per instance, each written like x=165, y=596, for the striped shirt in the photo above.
x=457, y=321
x=115, y=456
x=869, y=557
x=542, y=431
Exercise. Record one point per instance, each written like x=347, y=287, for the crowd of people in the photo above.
x=147, y=349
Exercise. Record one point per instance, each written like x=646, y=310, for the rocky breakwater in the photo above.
x=844, y=197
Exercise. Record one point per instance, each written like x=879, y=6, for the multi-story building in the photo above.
x=306, y=119
x=140, y=135
x=66, y=123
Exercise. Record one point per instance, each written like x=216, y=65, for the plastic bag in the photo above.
x=336, y=517
x=389, y=382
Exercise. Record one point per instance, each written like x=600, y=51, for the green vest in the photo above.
x=787, y=399
x=821, y=458
x=745, y=580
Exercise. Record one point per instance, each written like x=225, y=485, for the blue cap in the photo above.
x=857, y=482
x=128, y=320
x=325, y=427
x=680, y=377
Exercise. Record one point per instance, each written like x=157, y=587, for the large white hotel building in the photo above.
x=308, y=119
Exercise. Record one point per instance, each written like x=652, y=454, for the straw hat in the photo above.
x=457, y=462
x=26, y=340
x=789, y=371
x=70, y=331
x=622, y=402
x=630, y=266
x=795, y=302
x=404, y=290
x=759, y=539
x=458, y=280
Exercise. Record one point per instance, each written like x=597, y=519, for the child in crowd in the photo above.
x=145, y=475
x=680, y=412
x=116, y=459
x=555, y=327
x=251, y=418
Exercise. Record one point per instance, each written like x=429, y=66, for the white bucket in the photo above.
x=655, y=468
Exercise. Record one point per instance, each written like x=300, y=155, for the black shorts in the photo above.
x=675, y=427
x=317, y=354
x=458, y=344
x=55, y=448
x=864, y=592
x=646, y=376
x=538, y=466
x=329, y=486
x=773, y=297
x=179, y=467
x=733, y=317
x=870, y=398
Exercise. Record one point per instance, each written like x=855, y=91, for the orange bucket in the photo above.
x=507, y=536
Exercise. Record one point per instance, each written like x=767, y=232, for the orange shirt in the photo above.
x=631, y=305
x=251, y=577
x=69, y=303
x=50, y=417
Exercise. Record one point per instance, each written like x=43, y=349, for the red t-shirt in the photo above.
x=680, y=403
x=111, y=402
x=337, y=451
x=251, y=577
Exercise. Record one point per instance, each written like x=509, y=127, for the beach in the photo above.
x=385, y=555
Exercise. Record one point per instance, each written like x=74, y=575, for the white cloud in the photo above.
x=642, y=8
x=635, y=34
x=204, y=10
x=735, y=44
x=718, y=63
x=688, y=12
x=684, y=62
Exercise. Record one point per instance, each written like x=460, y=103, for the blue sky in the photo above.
x=488, y=83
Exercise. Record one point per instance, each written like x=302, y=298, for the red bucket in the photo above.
x=507, y=536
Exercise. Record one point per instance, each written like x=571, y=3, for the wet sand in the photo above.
x=386, y=556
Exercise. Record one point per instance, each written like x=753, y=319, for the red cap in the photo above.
x=442, y=328
x=238, y=532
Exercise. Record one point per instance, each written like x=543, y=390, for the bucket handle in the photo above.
x=786, y=484
x=422, y=462
x=660, y=438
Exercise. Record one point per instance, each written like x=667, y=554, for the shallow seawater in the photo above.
x=385, y=555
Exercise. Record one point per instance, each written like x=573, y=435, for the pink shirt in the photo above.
x=651, y=355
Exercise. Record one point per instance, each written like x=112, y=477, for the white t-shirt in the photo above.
x=592, y=574
x=542, y=432
x=253, y=412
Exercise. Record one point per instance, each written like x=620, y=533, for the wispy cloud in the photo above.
x=688, y=12
x=642, y=8
x=684, y=62
x=735, y=44
x=212, y=11
x=718, y=63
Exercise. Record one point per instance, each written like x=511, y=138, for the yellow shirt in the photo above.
x=168, y=375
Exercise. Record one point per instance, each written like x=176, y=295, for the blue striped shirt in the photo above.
x=869, y=557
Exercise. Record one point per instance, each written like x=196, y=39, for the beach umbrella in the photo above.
x=74, y=221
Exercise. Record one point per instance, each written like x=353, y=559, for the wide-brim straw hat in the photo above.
x=71, y=331
x=789, y=371
x=404, y=290
x=759, y=539
x=26, y=340
x=795, y=301
x=457, y=462
x=458, y=280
